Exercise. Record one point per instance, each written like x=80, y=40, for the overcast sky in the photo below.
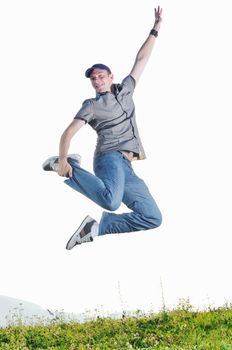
x=183, y=103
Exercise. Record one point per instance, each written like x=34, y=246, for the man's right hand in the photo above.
x=64, y=168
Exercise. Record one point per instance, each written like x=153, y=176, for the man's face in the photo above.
x=101, y=80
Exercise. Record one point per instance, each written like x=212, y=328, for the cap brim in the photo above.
x=88, y=72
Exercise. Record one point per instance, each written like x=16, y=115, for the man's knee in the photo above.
x=156, y=220
x=112, y=205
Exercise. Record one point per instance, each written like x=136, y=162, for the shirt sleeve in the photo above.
x=86, y=111
x=129, y=83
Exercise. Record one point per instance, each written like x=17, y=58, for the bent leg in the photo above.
x=106, y=187
x=145, y=213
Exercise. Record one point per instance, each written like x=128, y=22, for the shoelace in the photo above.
x=55, y=166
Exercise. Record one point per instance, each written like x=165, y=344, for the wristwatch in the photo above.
x=154, y=32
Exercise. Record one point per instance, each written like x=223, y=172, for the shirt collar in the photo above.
x=114, y=90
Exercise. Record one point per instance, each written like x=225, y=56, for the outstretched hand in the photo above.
x=158, y=18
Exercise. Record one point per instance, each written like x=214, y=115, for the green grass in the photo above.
x=180, y=329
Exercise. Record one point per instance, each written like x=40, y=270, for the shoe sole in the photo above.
x=70, y=156
x=47, y=163
x=82, y=225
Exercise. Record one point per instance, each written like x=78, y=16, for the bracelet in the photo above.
x=154, y=32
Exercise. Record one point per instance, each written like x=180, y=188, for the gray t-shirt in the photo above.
x=112, y=116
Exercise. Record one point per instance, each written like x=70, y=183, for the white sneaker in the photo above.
x=52, y=163
x=82, y=234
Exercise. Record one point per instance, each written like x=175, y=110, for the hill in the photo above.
x=12, y=309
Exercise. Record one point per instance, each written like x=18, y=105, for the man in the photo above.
x=112, y=115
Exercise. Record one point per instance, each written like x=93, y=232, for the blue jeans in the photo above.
x=114, y=183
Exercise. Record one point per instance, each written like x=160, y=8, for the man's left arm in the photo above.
x=146, y=49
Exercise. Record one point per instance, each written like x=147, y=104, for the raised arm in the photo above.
x=146, y=49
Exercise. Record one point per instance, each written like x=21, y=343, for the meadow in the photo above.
x=179, y=329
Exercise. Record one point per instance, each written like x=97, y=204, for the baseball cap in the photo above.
x=97, y=65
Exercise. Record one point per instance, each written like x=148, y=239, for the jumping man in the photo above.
x=112, y=115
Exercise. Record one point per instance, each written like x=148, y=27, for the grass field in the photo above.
x=179, y=329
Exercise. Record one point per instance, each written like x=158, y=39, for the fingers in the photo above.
x=65, y=171
x=69, y=172
x=158, y=12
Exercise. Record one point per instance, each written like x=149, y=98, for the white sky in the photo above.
x=184, y=109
